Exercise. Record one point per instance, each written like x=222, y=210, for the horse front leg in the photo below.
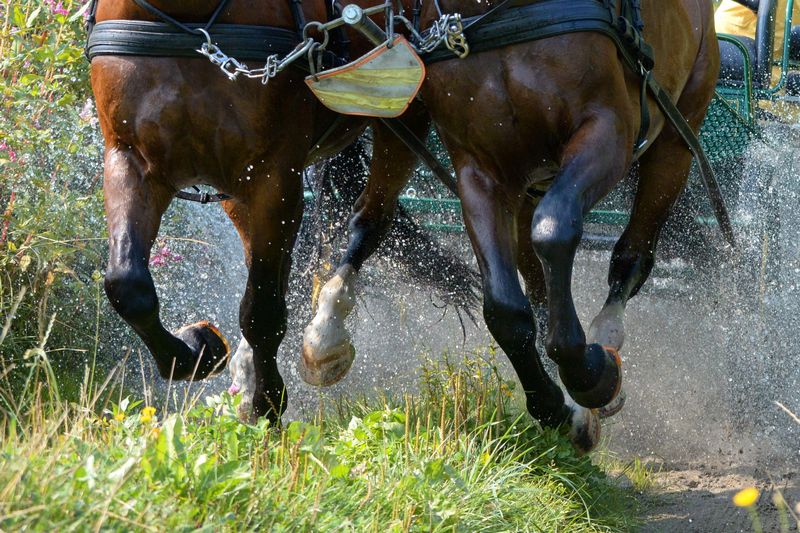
x=328, y=351
x=592, y=162
x=491, y=226
x=134, y=206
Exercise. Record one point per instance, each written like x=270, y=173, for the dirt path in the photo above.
x=698, y=498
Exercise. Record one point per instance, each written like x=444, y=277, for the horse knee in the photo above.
x=554, y=233
x=131, y=293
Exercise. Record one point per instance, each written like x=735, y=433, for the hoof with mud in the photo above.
x=600, y=380
x=206, y=343
x=584, y=427
x=324, y=368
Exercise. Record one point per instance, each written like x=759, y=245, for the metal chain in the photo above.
x=233, y=68
x=448, y=30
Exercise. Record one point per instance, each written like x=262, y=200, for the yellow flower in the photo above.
x=147, y=414
x=119, y=417
x=746, y=497
x=155, y=432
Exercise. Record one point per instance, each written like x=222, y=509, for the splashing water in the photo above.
x=712, y=340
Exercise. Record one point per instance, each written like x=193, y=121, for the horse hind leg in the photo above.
x=134, y=206
x=663, y=172
x=267, y=224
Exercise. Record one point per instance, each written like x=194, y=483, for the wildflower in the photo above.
x=155, y=432
x=147, y=414
x=163, y=256
x=12, y=155
x=57, y=8
x=119, y=417
x=746, y=497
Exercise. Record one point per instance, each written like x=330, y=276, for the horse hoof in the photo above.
x=584, y=428
x=207, y=343
x=604, y=368
x=614, y=407
x=323, y=370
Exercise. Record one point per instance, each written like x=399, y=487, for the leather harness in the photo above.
x=503, y=25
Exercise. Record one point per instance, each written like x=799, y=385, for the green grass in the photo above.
x=455, y=457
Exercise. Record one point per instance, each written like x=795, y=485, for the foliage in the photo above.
x=463, y=462
x=51, y=230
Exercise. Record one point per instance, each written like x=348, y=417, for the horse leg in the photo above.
x=663, y=172
x=531, y=270
x=491, y=228
x=328, y=351
x=592, y=162
x=134, y=206
x=268, y=229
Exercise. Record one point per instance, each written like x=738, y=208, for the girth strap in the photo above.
x=161, y=39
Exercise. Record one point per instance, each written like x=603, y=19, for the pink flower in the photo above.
x=163, y=256
x=233, y=390
x=12, y=155
x=56, y=8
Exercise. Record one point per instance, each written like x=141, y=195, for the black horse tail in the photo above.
x=422, y=259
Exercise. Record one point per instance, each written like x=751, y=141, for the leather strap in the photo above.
x=161, y=39
x=202, y=197
x=418, y=147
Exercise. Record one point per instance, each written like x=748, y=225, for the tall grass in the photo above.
x=458, y=457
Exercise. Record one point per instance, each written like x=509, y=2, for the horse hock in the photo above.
x=328, y=351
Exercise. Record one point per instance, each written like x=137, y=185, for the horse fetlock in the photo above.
x=608, y=329
x=584, y=427
x=598, y=380
x=209, y=352
x=328, y=352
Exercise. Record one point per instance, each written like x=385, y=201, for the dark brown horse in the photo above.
x=563, y=109
x=171, y=122
x=566, y=109
x=560, y=114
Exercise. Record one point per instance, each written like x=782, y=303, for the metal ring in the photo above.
x=207, y=36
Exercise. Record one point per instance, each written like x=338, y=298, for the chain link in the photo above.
x=448, y=30
x=233, y=68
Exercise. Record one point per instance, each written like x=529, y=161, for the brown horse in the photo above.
x=172, y=122
x=566, y=109
x=560, y=114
